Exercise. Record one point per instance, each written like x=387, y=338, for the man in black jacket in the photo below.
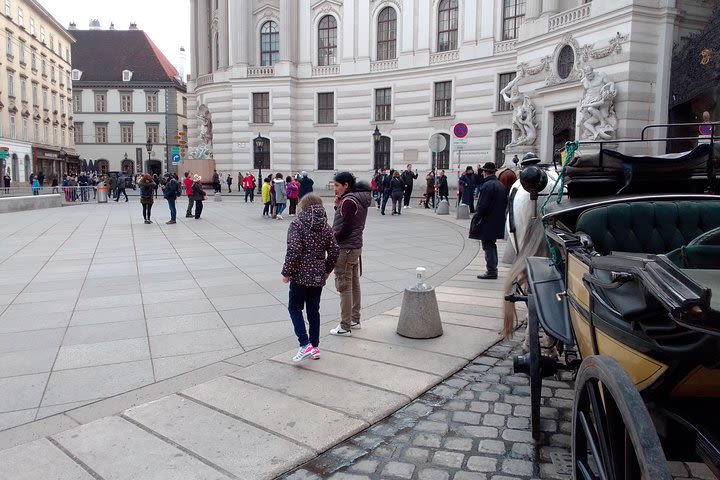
x=488, y=223
x=407, y=177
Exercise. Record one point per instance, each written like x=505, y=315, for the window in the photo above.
x=45, y=100
x=36, y=132
x=52, y=73
x=184, y=106
x=42, y=34
x=327, y=41
x=33, y=61
x=54, y=103
x=503, y=81
x=25, y=130
x=443, y=99
x=326, y=154
x=383, y=104
x=78, y=133
x=326, y=107
x=23, y=89
x=126, y=133
x=32, y=26
x=21, y=53
x=513, y=13
x=447, y=25
x=55, y=136
x=35, y=95
x=100, y=102
x=126, y=75
x=11, y=84
x=62, y=106
x=77, y=101
x=43, y=70
x=441, y=160
x=9, y=45
x=269, y=44
x=151, y=101
x=261, y=108
x=153, y=133
x=8, y=8
x=387, y=34
x=21, y=17
x=61, y=76
x=565, y=61
x=13, y=133
x=76, y=74
x=46, y=134
x=502, y=138
x=100, y=133
x=126, y=102
x=382, y=153
x=52, y=42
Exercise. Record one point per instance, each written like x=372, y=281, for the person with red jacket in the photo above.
x=248, y=184
x=188, y=183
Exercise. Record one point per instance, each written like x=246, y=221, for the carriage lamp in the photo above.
x=534, y=180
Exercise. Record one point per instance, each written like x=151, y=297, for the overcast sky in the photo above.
x=167, y=22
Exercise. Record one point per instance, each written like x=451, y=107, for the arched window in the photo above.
x=387, y=34
x=327, y=41
x=502, y=138
x=447, y=25
x=382, y=153
x=269, y=44
x=513, y=14
x=326, y=154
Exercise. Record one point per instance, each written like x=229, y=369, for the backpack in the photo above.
x=178, y=189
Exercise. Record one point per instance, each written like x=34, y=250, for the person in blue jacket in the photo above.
x=488, y=223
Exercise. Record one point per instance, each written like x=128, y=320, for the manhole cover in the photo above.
x=562, y=461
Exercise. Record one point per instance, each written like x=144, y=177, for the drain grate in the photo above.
x=562, y=461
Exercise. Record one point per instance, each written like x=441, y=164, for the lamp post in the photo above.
x=149, y=147
x=377, y=136
x=259, y=146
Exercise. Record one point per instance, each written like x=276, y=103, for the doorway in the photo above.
x=563, y=131
x=154, y=167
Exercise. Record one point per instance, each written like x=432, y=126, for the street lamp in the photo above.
x=377, y=136
x=148, y=146
x=259, y=146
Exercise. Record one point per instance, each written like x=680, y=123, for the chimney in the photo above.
x=72, y=26
x=112, y=26
x=181, y=70
x=94, y=24
x=133, y=26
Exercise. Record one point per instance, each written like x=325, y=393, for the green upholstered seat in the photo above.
x=648, y=227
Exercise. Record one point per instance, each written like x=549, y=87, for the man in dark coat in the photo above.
x=408, y=176
x=488, y=223
x=306, y=184
x=467, y=185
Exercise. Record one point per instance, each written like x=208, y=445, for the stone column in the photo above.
x=237, y=26
x=470, y=24
x=305, y=48
x=423, y=26
x=550, y=6
x=533, y=8
x=287, y=32
x=204, y=54
x=348, y=31
x=224, y=39
x=194, y=52
x=362, y=36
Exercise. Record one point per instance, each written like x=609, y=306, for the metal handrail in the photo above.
x=695, y=124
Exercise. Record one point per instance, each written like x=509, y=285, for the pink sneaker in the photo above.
x=315, y=355
x=303, y=353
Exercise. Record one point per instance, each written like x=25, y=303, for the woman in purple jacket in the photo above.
x=311, y=255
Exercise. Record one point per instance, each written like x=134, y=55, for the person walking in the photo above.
x=156, y=181
x=229, y=183
x=7, y=179
x=408, y=177
x=171, y=189
x=488, y=223
x=306, y=184
x=379, y=180
x=352, y=201
x=72, y=186
x=198, y=195
x=266, y=197
x=83, y=182
x=430, y=189
x=248, y=185
x=121, y=187
x=293, y=191
x=397, y=190
x=53, y=184
x=312, y=252
x=216, y=181
x=188, y=183
x=41, y=178
x=280, y=189
x=147, y=192
x=386, y=189
x=466, y=182
x=443, y=189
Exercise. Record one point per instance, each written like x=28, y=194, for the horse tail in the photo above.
x=533, y=244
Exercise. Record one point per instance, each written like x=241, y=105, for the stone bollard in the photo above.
x=463, y=212
x=419, y=313
x=443, y=208
x=218, y=197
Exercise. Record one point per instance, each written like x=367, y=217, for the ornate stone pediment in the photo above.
x=25, y=112
x=328, y=6
x=36, y=116
x=12, y=109
x=267, y=12
x=384, y=3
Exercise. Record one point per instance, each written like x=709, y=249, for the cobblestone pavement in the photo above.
x=473, y=426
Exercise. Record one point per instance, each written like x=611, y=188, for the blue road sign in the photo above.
x=176, y=159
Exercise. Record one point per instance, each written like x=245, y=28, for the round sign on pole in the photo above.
x=460, y=130
x=437, y=143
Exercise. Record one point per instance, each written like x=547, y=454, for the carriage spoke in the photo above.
x=592, y=444
x=585, y=471
x=601, y=425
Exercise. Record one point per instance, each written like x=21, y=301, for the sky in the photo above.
x=167, y=22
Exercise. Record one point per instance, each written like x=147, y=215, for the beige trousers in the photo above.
x=347, y=283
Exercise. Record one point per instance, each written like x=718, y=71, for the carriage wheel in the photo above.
x=613, y=434
x=535, y=367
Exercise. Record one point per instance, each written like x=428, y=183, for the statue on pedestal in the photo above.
x=524, y=127
x=597, y=109
x=204, y=149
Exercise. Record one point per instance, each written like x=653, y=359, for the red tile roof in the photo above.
x=102, y=55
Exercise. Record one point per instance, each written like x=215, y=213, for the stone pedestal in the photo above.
x=218, y=197
x=419, y=314
x=463, y=212
x=520, y=151
x=443, y=208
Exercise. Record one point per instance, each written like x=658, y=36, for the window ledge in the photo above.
x=330, y=125
x=383, y=122
x=446, y=117
x=251, y=124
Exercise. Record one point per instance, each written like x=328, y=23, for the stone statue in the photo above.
x=597, y=109
x=206, y=134
x=200, y=152
x=524, y=127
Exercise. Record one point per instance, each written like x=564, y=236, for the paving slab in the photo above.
x=234, y=445
x=103, y=353
x=39, y=460
x=184, y=343
x=185, y=323
x=303, y=422
x=118, y=450
x=166, y=367
x=104, y=332
x=26, y=362
x=22, y=392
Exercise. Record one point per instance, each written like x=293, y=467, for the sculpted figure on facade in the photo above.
x=206, y=134
x=597, y=109
x=524, y=127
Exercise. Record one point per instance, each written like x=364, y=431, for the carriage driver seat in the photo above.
x=648, y=227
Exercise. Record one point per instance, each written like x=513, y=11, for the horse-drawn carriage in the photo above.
x=626, y=294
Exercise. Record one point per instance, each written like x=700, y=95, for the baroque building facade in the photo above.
x=315, y=78
x=35, y=92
